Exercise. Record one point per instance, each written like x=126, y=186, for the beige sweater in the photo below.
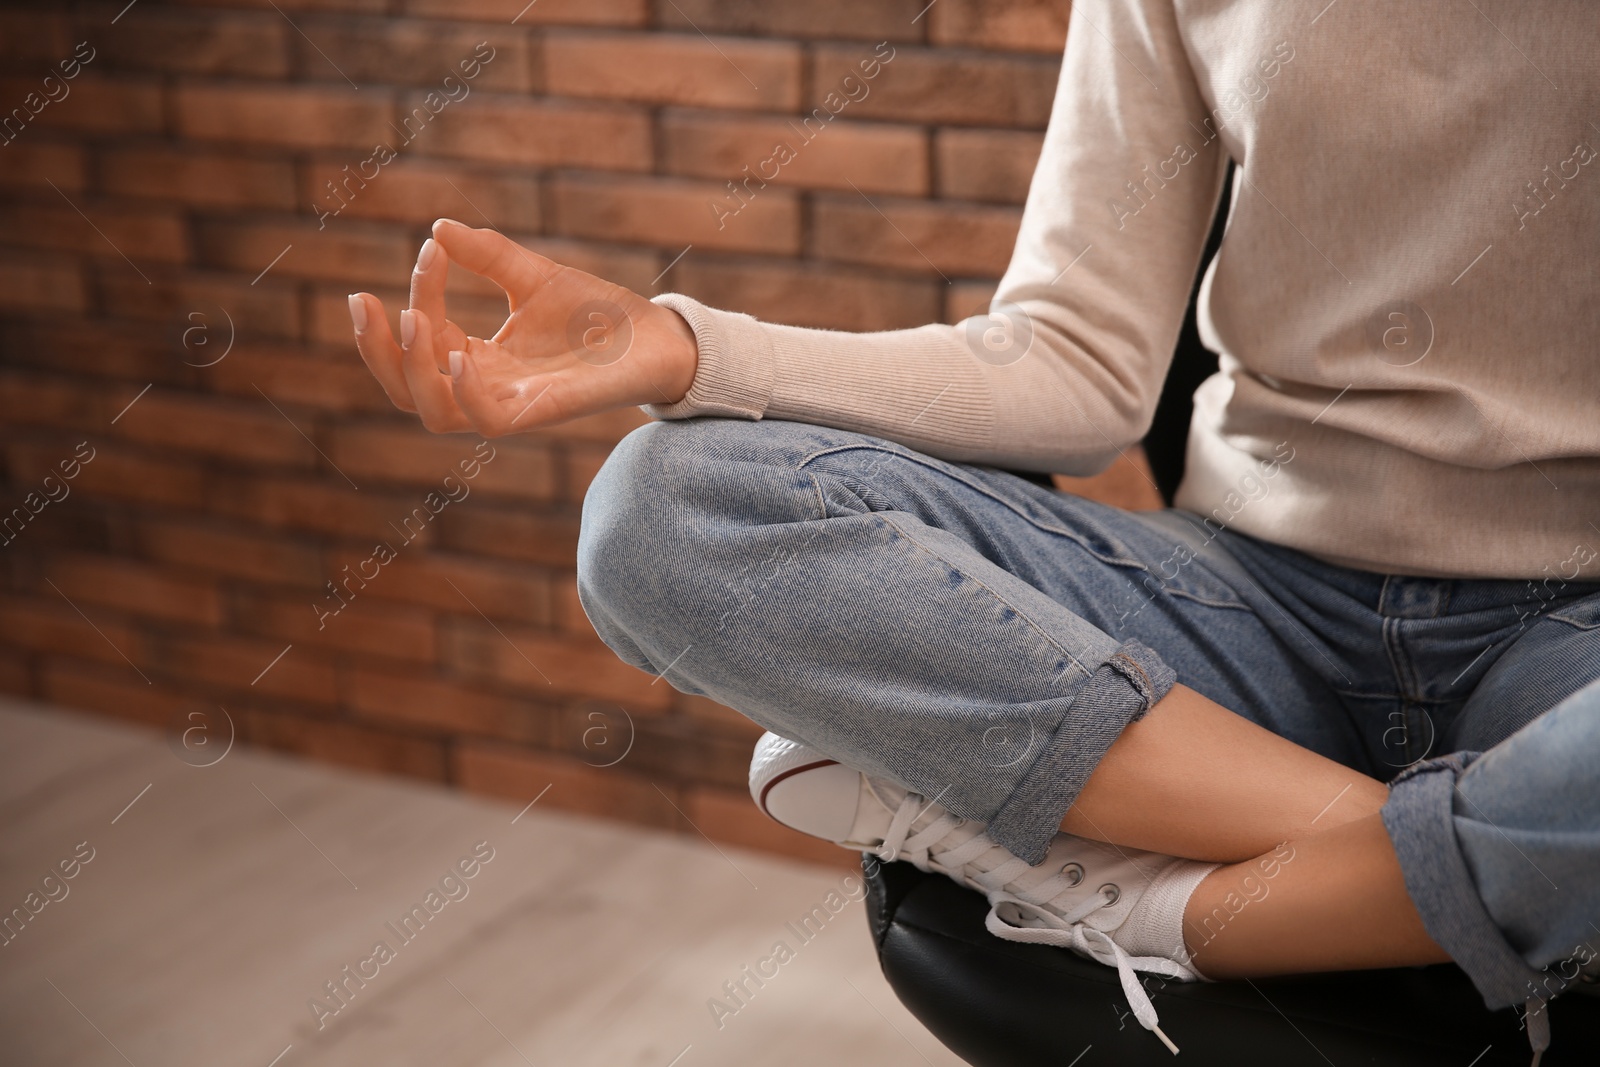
x=1405, y=300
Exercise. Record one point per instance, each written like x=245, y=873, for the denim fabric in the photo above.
x=983, y=640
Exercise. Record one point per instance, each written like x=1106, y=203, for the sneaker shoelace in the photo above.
x=951, y=846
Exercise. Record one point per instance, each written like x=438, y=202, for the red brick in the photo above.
x=809, y=294
x=422, y=702
x=552, y=541
x=16, y=676
x=419, y=192
x=350, y=622
x=96, y=229
x=916, y=236
x=875, y=157
x=368, y=6
x=34, y=163
x=731, y=817
x=96, y=103
x=388, y=51
x=35, y=39
x=410, y=455
x=210, y=547
x=339, y=385
x=883, y=20
x=545, y=12
x=115, y=472
x=570, y=617
x=348, y=745
x=197, y=178
x=53, y=625
x=456, y=584
x=252, y=433
x=32, y=399
x=99, y=687
x=327, y=507
x=663, y=747
x=95, y=348
x=35, y=284
x=352, y=253
x=136, y=588
x=547, y=665
x=241, y=666
x=287, y=116
x=520, y=775
x=579, y=466
x=674, y=212
x=963, y=299
x=148, y=38
x=509, y=129
x=1018, y=25
x=957, y=88
x=994, y=165
x=269, y=308
x=663, y=68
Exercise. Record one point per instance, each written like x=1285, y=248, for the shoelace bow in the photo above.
x=1065, y=931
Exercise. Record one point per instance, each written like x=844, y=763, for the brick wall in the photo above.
x=184, y=194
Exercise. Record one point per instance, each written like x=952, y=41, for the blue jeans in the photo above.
x=983, y=640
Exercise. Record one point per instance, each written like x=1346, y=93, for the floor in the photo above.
x=211, y=912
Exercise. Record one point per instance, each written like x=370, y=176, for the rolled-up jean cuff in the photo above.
x=1119, y=692
x=1420, y=818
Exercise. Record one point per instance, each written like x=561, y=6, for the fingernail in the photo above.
x=458, y=360
x=425, y=257
x=358, y=312
x=408, y=327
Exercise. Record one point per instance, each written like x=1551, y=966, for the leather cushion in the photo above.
x=997, y=1003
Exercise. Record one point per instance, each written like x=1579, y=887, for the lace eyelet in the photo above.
x=1111, y=892
x=1074, y=871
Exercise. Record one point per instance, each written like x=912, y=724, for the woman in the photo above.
x=1351, y=664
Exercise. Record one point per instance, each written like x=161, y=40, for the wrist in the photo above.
x=683, y=356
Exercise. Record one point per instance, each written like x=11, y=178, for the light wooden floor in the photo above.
x=220, y=902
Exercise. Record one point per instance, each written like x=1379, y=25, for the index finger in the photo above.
x=495, y=256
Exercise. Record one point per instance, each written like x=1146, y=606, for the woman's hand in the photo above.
x=572, y=345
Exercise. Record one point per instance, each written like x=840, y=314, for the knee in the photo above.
x=667, y=506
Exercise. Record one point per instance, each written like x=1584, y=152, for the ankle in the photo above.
x=1222, y=896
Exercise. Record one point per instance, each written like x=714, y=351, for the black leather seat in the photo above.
x=999, y=1003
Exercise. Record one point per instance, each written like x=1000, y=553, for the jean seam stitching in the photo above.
x=1020, y=613
x=1061, y=531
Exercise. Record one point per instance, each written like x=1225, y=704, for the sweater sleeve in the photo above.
x=1066, y=367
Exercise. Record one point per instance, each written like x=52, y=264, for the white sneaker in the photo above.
x=1119, y=906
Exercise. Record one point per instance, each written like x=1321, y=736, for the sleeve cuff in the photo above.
x=735, y=375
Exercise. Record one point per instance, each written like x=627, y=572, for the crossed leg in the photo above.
x=986, y=642
x=1308, y=884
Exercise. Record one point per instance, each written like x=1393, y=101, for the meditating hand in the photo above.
x=572, y=344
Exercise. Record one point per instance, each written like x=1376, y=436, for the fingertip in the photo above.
x=358, y=311
x=426, y=256
x=443, y=226
x=458, y=361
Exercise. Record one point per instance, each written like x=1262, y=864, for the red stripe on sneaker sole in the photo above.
x=789, y=774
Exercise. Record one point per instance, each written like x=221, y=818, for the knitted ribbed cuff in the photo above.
x=1126, y=686
x=735, y=373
